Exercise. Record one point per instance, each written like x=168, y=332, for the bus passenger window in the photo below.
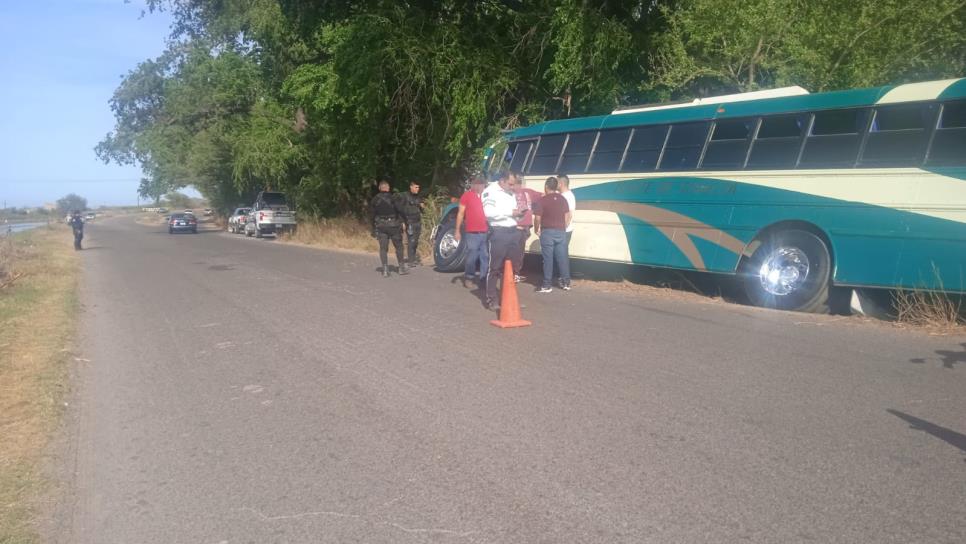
x=609, y=151
x=644, y=149
x=778, y=142
x=577, y=152
x=728, y=145
x=684, y=146
x=548, y=152
x=834, y=140
x=519, y=152
x=949, y=143
x=898, y=135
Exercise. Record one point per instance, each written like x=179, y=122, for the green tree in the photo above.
x=70, y=203
x=318, y=99
x=743, y=45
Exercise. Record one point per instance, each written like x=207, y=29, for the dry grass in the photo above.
x=346, y=233
x=352, y=234
x=8, y=256
x=36, y=335
x=935, y=311
x=150, y=218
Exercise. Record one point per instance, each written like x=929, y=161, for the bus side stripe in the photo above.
x=660, y=218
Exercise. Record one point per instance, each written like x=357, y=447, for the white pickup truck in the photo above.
x=270, y=214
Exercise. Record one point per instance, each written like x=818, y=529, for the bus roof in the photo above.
x=731, y=106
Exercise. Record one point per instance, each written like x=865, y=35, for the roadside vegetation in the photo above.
x=37, y=307
x=935, y=311
x=318, y=99
x=349, y=232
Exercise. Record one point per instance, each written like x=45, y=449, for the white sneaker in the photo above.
x=545, y=290
x=518, y=279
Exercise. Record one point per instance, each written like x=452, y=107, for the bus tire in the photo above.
x=790, y=270
x=448, y=254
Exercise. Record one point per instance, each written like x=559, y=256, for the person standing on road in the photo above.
x=563, y=184
x=552, y=214
x=76, y=223
x=525, y=199
x=387, y=220
x=500, y=208
x=471, y=214
x=412, y=208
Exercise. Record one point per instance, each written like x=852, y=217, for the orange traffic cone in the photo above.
x=509, y=305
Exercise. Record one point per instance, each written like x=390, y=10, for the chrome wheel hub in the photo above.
x=784, y=270
x=448, y=245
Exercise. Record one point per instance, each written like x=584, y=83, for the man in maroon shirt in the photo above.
x=526, y=198
x=551, y=216
x=471, y=214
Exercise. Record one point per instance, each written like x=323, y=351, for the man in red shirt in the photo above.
x=552, y=214
x=471, y=214
x=526, y=198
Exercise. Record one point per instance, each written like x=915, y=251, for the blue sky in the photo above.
x=60, y=61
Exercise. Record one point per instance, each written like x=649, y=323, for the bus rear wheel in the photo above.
x=790, y=270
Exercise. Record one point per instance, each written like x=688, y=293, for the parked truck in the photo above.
x=270, y=214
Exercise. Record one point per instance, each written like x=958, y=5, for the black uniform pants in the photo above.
x=504, y=243
x=384, y=233
x=414, y=229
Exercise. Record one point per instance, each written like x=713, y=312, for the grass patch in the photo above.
x=335, y=233
x=36, y=336
x=353, y=234
x=936, y=311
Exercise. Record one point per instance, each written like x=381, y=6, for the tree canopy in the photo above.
x=70, y=203
x=319, y=98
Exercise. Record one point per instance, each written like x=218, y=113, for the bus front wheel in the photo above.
x=449, y=254
x=790, y=270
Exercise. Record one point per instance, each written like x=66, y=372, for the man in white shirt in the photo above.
x=501, y=211
x=563, y=185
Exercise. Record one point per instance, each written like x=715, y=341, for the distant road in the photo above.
x=234, y=390
x=10, y=228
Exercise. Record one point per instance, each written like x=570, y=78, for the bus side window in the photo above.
x=778, y=142
x=898, y=135
x=684, y=146
x=728, y=145
x=577, y=152
x=609, y=151
x=949, y=144
x=548, y=153
x=644, y=149
x=835, y=138
x=519, y=152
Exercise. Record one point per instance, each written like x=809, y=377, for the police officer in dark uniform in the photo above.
x=387, y=220
x=412, y=208
x=77, y=225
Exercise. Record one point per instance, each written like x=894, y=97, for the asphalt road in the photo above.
x=233, y=390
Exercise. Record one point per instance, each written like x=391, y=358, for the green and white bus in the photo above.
x=794, y=192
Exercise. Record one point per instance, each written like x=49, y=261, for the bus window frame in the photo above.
x=928, y=131
x=527, y=157
x=563, y=150
x=539, y=141
x=749, y=140
x=939, y=130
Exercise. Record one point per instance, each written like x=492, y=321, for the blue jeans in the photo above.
x=553, y=248
x=476, y=248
